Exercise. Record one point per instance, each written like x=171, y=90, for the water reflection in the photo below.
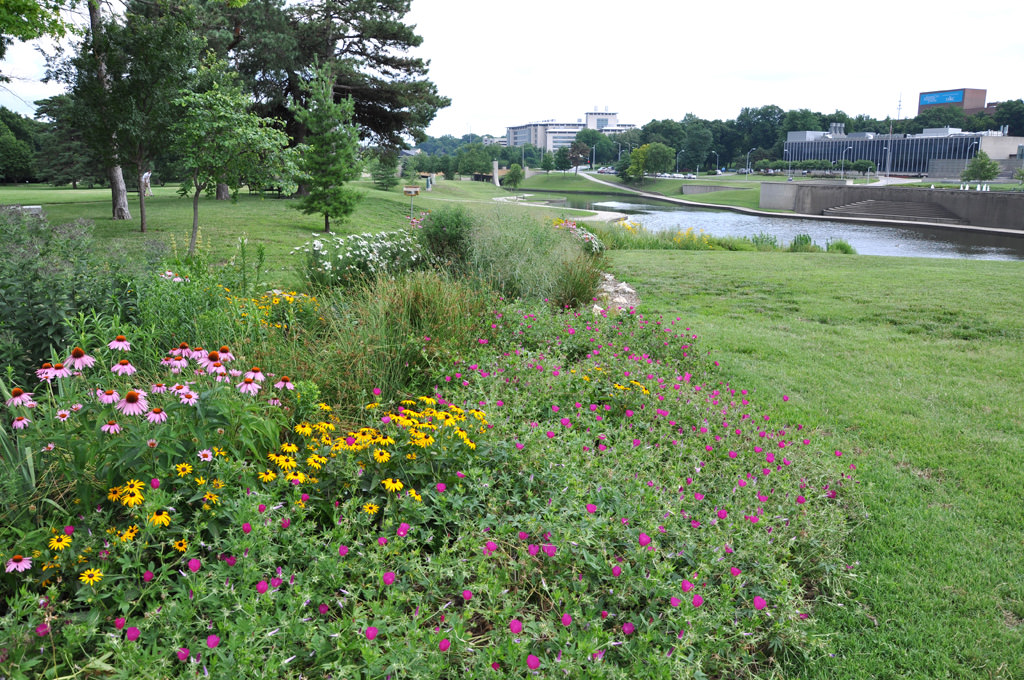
x=868, y=239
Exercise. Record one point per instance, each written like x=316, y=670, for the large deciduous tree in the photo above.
x=221, y=142
x=28, y=19
x=330, y=155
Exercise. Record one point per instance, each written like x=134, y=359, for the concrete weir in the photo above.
x=1002, y=210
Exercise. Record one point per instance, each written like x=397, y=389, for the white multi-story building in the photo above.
x=551, y=135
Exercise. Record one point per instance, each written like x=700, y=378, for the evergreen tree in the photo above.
x=330, y=155
x=385, y=170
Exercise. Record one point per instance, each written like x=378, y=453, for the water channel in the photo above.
x=867, y=239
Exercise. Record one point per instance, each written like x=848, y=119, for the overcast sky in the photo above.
x=510, y=63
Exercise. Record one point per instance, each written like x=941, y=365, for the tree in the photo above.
x=272, y=44
x=514, y=177
x=668, y=132
x=26, y=20
x=637, y=167
x=562, y=159
x=1018, y=175
x=385, y=170
x=64, y=157
x=579, y=154
x=980, y=169
x=660, y=158
x=219, y=141
x=547, y=162
x=15, y=157
x=1011, y=113
x=330, y=155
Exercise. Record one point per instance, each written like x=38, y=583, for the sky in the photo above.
x=506, y=64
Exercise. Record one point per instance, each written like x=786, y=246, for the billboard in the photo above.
x=948, y=97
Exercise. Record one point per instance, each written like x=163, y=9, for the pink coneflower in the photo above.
x=274, y=401
x=60, y=371
x=255, y=373
x=45, y=372
x=19, y=563
x=178, y=363
x=75, y=408
x=167, y=362
x=121, y=343
x=20, y=423
x=248, y=386
x=122, y=367
x=225, y=353
x=19, y=397
x=63, y=415
x=197, y=353
x=79, y=359
x=158, y=388
x=133, y=404
x=208, y=359
x=111, y=427
x=285, y=383
x=206, y=455
x=107, y=396
x=188, y=398
x=179, y=388
x=181, y=349
x=217, y=369
x=157, y=415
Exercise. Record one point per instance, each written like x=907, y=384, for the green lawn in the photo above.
x=915, y=367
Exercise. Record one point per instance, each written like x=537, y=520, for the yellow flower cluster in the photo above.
x=273, y=309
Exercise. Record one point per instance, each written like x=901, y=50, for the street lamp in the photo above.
x=716, y=159
x=968, y=159
x=790, y=171
x=842, y=165
x=748, y=161
x=677, y=158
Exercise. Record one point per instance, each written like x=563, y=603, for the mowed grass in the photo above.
x=915, y=368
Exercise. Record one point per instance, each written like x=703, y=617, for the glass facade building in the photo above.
x=894, y=154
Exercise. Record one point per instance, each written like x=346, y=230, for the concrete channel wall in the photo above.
x=999, y=209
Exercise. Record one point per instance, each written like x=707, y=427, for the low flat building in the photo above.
x=551, y=135
x=936, y=152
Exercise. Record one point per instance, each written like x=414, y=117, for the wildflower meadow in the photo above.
x=531, y=489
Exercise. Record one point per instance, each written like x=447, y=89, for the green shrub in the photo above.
x=840, y=246
x=348, y=260
x=802, y=243
x=445, y=234
x=576, y=283
x=48, y=273
x=765, y=242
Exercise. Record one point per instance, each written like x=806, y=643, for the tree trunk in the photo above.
x=118, y=193
x=327, y=223
x=223, y=192
x=142, y=204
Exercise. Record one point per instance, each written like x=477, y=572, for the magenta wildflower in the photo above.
x=403, y=529
x=194, y=565
x=697, y=600
x=389, y=578
x=532, y=662
x=60, y=371
x=147, y=576
x=467, y=595
x=566, y=620
x=342, y=550
x=107, y=396
x=628, y=628
x=133, y=404
x=759, y=603
x=441, y=488
x=183, y=653
x=246, y=527
x=687, y=586
x=286, y=522
x=123, y=367
x=591, y=508
x=616, y=571
x=19, y=397
x=675, y=601
x=255, y=373
x=132, y=634
x=736, y=571
x=444, y=645
x=212, y=641
x=516, y=626
x=371, y=633
x=644, y=539
x=262, y=587
x=550, y=550
x=42, y=630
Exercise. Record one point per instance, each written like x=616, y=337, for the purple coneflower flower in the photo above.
x=20, y=423
x=60, y=371
x=207, y=359
x=255, y=373
x=121, y=343
x=285, y=383
x=248, y=386
x=79, y=359
x=188, y=398
x=19, y=563
x=45, y=372
x=225, y=354
x=157, y=415
x=133, y=404
x=107, y=396
x=19, y=397
x=111, y=427
x=63, y=415
x=123, y=367
x=206, y=455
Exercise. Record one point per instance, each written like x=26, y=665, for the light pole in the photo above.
x=968, y=159
x=842, y=165
x=886, y=150
x=716, y=160
x=748, y=161
x=785, y=152
x=677, y=159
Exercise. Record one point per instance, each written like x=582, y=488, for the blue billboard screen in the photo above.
x=951, y=97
